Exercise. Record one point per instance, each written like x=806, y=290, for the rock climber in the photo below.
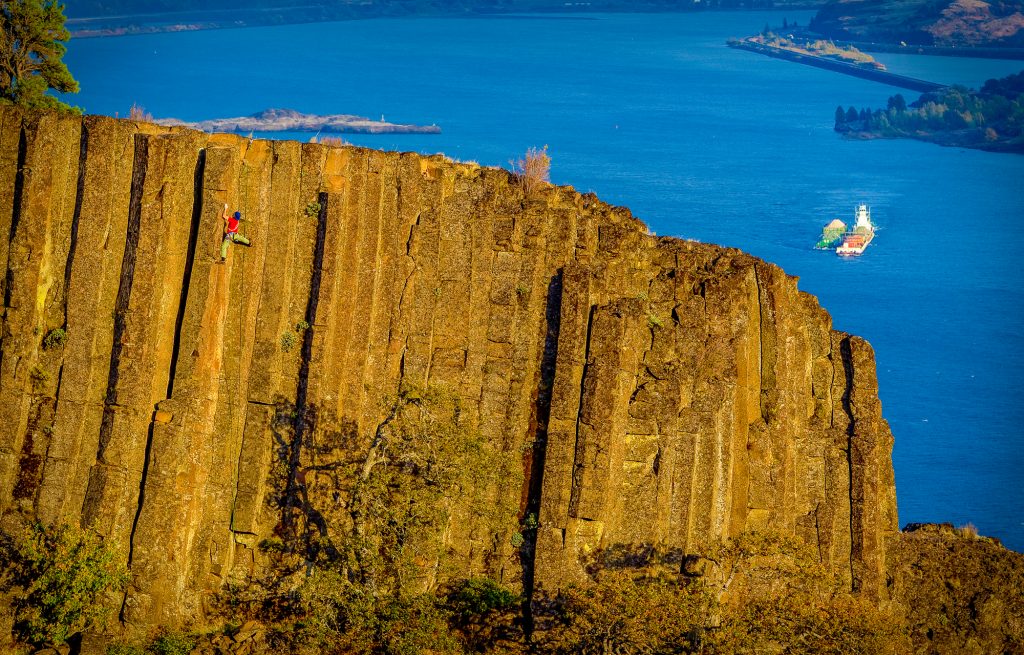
x=231, y=232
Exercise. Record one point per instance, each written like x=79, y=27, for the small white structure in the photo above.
x=863, y=218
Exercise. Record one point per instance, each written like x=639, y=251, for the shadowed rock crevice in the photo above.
x=542, y=402
x=846, y=358
x=30, y=465
x=578, y=463
x=304, y=415
x=142, y=495
x=193, y=238
x=17, y=196
x=124, y=293
x=83, y=151
x=534, y=464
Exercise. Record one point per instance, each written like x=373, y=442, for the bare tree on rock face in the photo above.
x=32, y=36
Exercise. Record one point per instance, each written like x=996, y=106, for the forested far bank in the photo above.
x=990, y=119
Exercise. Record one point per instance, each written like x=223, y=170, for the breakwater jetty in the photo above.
x=829, y=63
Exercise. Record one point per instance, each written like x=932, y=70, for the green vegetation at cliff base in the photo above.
x=756, y=592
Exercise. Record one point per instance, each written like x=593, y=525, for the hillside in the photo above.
x=947, y=23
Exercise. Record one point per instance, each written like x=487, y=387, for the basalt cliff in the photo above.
x=651, y=390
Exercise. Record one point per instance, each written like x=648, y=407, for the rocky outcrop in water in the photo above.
x=655, y=390
x=289, y=120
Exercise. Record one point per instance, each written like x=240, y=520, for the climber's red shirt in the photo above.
x=232, y=225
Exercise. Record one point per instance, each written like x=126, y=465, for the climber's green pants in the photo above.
x=237, y=238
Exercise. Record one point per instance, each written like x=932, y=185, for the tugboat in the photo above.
x=857, y=240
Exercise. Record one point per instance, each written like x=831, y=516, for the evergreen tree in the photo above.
x=32, y=36
x=897, y=102
x=852, y=115
x=840, y=115
x=785, y=24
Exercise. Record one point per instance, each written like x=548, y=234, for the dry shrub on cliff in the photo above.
x=334, y=141
x=970, y=530
x=138, y=113
x=533, y=170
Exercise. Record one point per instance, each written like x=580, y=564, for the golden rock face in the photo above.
x=658, y=391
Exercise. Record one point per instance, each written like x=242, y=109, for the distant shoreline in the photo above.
x=85, y=27
x=958, y=139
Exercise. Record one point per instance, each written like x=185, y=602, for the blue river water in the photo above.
x=701, y=141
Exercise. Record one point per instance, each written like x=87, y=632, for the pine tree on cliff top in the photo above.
x=32, y=36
